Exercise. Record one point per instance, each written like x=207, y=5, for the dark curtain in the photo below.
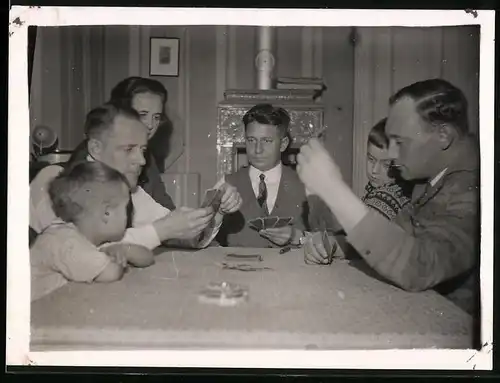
x=31, y=53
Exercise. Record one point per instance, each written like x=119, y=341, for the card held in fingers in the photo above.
x=269, y=222
x=282, y=222
x=256, y=224
x=251, y=225
x=217, y=200
x=329, y=245
x=209, y=197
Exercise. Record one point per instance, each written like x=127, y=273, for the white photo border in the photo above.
x=18, y=279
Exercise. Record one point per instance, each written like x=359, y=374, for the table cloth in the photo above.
x=290, y=305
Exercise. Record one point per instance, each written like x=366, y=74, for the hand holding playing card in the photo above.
x=283, y=221
x=317, y=169
x=319, y=248
x=224, y=198
x=256, y=224
x=183, y=223
x=212, y=199
x=231, y=200
x=280, y=236
x=261, y=223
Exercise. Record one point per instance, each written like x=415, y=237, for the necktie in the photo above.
x=262, y=198
x=130, y=213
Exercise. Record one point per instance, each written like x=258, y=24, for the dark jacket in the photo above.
x=291, y=201
x=434, y=241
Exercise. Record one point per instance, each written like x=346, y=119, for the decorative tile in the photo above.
x=305, y=121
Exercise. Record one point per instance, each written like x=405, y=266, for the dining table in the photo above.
x=287, y=304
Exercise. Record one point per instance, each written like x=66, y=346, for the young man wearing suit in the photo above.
x=266, y=186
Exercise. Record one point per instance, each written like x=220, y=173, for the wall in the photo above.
x=76, y=67
x=74, y=70
x=214, y=59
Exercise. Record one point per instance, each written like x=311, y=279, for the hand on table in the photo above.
x=314, y=249
x=317, y=169
x=117, y=254
x=281, y=236
x=136, y=255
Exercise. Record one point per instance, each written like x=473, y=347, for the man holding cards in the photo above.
x=117, y=137
x=275, y=207
x=434, y=241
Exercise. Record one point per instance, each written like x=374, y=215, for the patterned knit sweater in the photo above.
x=387, y=200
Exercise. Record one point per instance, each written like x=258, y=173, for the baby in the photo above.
x=91, y=201
x=382, y=193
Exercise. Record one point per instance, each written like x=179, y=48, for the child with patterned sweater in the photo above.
x=90, y=200
x=383, y=193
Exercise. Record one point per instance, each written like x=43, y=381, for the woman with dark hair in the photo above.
x=149, y=98
x=165, y=144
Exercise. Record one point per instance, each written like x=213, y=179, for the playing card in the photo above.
x=216, y=202
x=282, y=222
x=213, y=197
x=328, y=244
x=246, y=257
x=209, y=197
x=269, y=222
x=251, y=225
x=256, y=224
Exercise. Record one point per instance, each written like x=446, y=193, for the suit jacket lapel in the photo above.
x=430, y=191
x=282, y=189
x=249, y=187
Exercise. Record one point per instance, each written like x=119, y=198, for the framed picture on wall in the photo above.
x=164, y=56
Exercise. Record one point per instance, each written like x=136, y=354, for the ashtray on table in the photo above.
x=223, y=294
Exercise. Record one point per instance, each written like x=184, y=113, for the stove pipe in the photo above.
x=265, y=61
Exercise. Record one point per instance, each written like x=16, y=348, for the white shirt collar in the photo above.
x=272, y=175
x=435, y=180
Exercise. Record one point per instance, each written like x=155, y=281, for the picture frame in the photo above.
x=164, y=56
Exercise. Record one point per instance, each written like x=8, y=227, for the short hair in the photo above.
x=101, y=119
x=124, y=92
x=269, y=115
x=438, y=103
x=377, y=136
x=78, y=188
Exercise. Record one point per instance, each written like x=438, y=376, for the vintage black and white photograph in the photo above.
x=255, y=187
